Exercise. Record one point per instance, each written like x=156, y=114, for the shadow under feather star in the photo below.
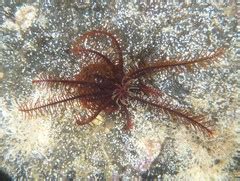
x=105, y=85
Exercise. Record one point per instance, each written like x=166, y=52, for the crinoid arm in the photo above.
x=51, y=81
x=129, y=124
x=197, y=123
x=150, y=91
x=94, y=56
x=80, y=120
x=115, y=52
x=178, y=65
x=51, y=105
